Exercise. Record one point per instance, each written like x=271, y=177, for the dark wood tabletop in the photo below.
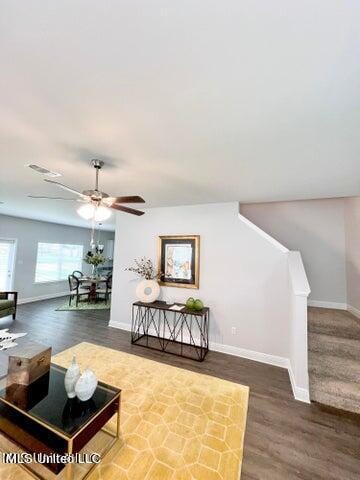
x=161, y=305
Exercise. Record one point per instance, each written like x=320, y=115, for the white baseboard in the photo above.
x=300, y=394
x=354, y=311
x=250, y=354
x=48, y=296
x=335, y=305
x=321, y=304
x=229, y=349
x=121, y=325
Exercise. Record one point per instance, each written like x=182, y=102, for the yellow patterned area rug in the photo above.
x=175, y=424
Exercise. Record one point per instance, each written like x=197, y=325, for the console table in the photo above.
x=182, y=332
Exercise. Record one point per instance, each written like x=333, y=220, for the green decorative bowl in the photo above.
x=198, y=304
x=190, y=302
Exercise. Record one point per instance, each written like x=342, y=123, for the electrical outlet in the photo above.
x=233, y=331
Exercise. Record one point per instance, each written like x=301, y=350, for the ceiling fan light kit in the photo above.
x=86, y=211
x=97, y=203
x=94, y=212
x=102, y=213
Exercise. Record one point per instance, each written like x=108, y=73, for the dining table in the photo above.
x=92, y=283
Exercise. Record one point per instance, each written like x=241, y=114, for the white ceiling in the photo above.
x=189, y=101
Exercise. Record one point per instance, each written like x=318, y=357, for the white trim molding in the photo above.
x=250, y=354
x=335, y=306
x=42, y=297
x=300, y=394
x=354, y=311
x=299, y=281
x=121, y=325
x=298, y=362
x=263, y=234
x=321, y=304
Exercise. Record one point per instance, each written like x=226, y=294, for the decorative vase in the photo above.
x=86, y=385
x=148, y=291
x=72, y=375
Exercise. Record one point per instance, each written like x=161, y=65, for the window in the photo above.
x=55, y=261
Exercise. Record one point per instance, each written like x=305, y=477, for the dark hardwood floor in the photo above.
x=285, y=439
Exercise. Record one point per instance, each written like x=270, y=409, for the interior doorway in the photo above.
x=7, y=264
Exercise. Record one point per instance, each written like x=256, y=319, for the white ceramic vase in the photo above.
x=72, y=375
x=86, y=385
x=148, y=291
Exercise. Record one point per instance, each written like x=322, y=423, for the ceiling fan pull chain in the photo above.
x=97, y=179
x=92, y=240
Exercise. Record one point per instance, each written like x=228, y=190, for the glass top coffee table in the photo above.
x=40, y=419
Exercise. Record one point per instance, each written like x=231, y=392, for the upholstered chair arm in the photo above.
x=10, y=293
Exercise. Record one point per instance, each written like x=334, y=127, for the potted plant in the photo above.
x=95, y=259
x=148, y=290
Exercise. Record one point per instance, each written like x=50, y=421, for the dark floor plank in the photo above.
x=285, y=439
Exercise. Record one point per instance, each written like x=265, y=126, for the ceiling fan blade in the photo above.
x=129, y=199
x=127, y=209
x=64, y=187
x=124, y=199
x=53, y=198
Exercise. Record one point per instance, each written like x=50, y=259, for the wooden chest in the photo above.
x=29, y=362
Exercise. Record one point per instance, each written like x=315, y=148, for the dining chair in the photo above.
x=77, y=274
x=107, y=290
x=80, y=276
x=76, y=290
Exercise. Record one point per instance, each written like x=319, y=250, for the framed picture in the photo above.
x=178, y=260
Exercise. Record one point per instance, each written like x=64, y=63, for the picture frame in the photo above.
x=179, y=260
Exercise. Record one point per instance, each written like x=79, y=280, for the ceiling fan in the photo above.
x=96, y=203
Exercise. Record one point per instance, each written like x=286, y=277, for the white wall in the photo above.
x=317, y=229
x=28, y=233
x=352, y=222
x=243, y=278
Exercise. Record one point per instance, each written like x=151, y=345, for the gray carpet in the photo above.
x=334, y=358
